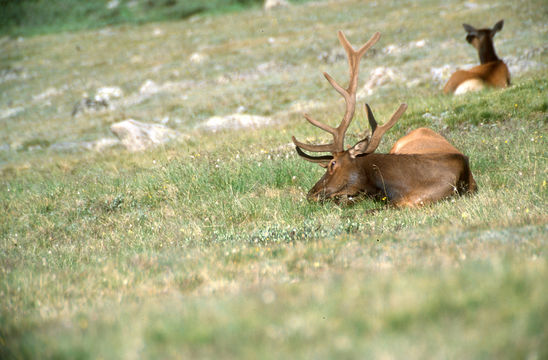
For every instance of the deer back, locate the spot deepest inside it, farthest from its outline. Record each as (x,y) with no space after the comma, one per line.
(423,141)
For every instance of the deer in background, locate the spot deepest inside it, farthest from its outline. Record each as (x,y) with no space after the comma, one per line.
(422,169)
(492,72)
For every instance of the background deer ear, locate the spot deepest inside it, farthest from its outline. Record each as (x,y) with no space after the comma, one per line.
(470,29)
(497,27)
(359,148)
(471,32)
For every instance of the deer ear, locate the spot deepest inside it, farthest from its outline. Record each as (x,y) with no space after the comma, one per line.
(470,29)
(359,148)
(471,32)
(497,27)
(371,118)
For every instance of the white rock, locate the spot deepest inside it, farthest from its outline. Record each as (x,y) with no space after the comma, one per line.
(9,112)
(138,136)
(13,73)
(395,49)
(270,4)
(266,66)
(413,83)
(106,93)
(390,49)
(377,77)
(235,121)
(198,58)
(113,4)
(304,106)
(46,94)
(149,87)
(441,74)
(519,65)
(101,144)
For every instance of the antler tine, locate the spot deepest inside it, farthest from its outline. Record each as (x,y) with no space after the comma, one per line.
(372,41)
(315,148)
(354,56)
(322,126)
(322,160)
(349,95)
(379,131)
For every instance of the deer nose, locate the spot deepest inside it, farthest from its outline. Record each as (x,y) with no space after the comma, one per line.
(311,196)
(317,195)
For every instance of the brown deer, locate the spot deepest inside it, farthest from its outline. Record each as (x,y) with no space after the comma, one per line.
(492,72)
(404,177)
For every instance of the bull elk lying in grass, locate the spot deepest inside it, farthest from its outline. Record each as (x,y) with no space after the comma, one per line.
(492,72)
(422,167)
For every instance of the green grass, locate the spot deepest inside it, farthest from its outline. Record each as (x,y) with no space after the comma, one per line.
(207,248)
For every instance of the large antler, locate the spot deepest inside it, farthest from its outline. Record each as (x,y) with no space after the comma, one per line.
(349,95)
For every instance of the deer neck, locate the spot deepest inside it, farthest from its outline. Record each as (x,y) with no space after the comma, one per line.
(486,51)
(373,171)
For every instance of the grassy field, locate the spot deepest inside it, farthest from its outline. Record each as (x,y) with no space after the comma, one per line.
(207,248)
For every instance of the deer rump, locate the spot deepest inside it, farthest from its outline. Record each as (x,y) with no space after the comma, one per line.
(493,74)
(422,167)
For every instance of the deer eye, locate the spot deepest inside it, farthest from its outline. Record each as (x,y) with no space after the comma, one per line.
(332,165)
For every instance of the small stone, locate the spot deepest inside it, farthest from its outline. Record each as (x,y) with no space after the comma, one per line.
(198,58)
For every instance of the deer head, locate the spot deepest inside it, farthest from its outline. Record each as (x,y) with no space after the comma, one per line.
(482,40)
(343,177)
